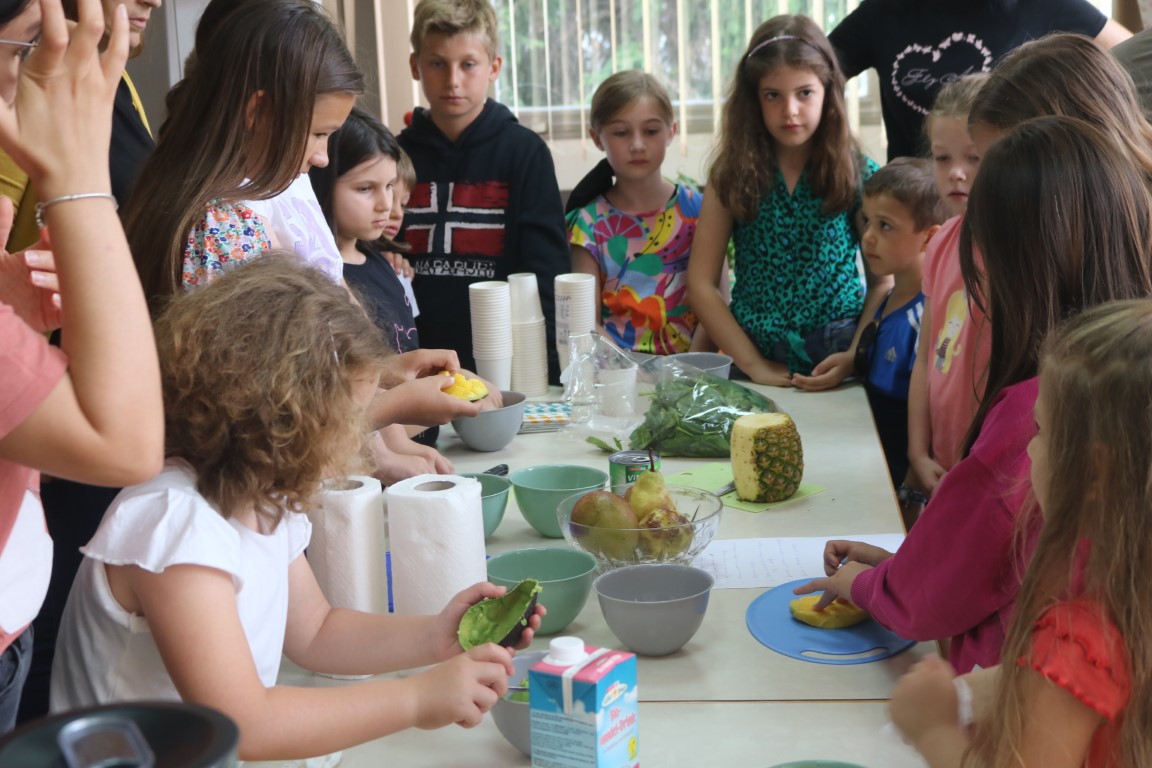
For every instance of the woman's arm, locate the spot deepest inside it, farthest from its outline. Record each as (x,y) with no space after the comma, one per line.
(103,422)
(709,246)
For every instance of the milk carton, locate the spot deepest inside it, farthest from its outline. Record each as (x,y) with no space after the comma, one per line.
(584,710)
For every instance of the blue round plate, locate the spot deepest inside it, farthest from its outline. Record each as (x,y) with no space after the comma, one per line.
(770,622)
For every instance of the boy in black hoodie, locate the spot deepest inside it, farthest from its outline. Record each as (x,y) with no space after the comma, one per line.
(486,202)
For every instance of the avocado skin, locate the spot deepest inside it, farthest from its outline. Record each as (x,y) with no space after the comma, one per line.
(499,620)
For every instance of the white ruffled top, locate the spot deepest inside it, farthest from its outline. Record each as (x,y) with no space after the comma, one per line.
(106,654)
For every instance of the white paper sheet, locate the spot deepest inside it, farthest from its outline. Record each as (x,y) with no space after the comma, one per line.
(760,563)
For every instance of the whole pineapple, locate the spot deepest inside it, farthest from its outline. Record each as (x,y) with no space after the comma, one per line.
(767,458)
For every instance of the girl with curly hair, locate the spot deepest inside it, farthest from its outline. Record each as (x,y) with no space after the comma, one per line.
(195,581)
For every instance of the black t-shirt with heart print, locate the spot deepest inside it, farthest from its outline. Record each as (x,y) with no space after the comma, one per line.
(917,47)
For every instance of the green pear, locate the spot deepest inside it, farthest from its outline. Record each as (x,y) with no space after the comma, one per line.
(664,534)
(649,492)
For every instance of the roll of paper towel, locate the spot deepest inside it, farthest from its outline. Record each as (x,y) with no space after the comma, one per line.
(348,544)
(436,532)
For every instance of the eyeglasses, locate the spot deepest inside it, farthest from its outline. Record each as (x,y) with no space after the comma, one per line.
(864,349)
(25,46)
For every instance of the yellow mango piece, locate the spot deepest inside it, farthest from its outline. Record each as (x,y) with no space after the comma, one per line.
(465,388)
(837,615)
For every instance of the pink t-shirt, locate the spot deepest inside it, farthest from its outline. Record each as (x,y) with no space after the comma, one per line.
(29,370)
(961,343)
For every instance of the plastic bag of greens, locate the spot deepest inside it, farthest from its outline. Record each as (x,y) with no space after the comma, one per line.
(677,409)
(690,413)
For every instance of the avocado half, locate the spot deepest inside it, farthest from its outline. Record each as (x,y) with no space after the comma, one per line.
(499,620)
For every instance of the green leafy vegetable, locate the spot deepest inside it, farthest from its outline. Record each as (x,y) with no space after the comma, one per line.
(694,417)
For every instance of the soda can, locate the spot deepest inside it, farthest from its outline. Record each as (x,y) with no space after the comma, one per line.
(626,466)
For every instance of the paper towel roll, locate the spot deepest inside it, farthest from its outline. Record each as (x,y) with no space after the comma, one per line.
(348,544)
(436,532)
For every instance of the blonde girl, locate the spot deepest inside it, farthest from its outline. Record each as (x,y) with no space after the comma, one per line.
(196,582)
(953,347)
(1076,686)
(785,187)
(635,234)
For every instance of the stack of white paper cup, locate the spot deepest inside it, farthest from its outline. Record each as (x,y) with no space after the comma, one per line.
(529,343)
(491,308)
(576,308)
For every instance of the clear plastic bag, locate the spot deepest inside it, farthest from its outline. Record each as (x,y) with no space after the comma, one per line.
(627,400)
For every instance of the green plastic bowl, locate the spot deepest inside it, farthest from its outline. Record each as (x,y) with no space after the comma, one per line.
(539,491)
(565,577)
(493,498)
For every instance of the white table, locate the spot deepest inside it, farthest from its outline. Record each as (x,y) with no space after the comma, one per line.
(724,699)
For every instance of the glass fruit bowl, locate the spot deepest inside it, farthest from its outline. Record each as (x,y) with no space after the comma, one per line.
(663,539)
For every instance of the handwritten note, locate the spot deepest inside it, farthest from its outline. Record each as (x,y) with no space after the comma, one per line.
(760,563)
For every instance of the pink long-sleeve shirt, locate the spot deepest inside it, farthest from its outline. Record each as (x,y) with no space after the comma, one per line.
(958,572)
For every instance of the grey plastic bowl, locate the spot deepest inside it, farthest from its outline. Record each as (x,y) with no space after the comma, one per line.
(714,363)
(514,718)
(492,430)
(654,609)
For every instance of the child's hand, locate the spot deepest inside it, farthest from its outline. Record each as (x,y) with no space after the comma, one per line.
(839,551)
(417,364)
(828,374)
(837,585)
(925,700)
(926,474)
(425,402)
(399,264)
(770,374)
(398,442)
(463,688)
(28,282)
(444,642)
(392,467)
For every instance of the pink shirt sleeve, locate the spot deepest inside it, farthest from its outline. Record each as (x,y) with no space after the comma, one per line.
(29,369)
(955,575)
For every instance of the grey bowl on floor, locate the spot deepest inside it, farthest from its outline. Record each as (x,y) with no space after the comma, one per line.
(654,609)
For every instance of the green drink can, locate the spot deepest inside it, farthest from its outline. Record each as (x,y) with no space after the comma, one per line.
(626,466)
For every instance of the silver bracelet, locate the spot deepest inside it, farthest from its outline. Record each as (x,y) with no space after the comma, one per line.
(67,199)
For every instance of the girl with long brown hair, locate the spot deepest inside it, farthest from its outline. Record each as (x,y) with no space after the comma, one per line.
(268,82)
(1064,222)
(1077,686)
(785,187)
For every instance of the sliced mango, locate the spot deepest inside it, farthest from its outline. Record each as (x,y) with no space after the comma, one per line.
(838,614)
(465,388)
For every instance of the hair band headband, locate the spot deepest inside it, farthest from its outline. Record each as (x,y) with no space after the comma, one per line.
(781,39)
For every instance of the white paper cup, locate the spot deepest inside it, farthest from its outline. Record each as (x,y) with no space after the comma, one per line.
(497,370)
(525,297)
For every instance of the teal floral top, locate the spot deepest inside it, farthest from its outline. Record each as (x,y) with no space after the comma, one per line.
(642,258)
(796,269)
(229,233)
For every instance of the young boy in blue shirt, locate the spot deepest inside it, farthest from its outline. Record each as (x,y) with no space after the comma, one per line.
(486,202)
(902,210)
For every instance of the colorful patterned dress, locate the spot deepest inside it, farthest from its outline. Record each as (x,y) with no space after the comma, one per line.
(643,258)
(228,234)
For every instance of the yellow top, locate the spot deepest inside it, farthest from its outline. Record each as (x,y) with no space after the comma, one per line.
(14,185)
